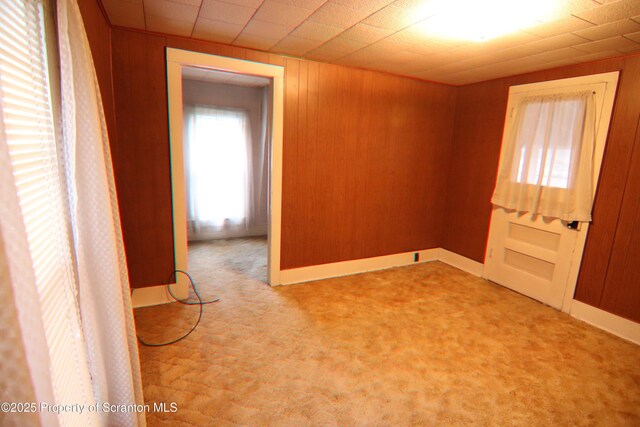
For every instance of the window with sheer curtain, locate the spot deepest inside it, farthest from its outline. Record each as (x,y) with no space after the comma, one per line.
(68,316)
(218,169)
(26,121)
(546,166)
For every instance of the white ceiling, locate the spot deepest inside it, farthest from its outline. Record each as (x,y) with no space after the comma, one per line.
(223,77)
(389,35)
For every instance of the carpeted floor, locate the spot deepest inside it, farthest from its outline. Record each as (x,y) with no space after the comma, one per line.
(419,345)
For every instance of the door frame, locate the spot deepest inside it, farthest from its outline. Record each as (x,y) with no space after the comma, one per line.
(610,80)
(178,58)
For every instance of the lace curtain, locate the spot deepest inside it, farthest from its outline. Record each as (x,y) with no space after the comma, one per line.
(546,165)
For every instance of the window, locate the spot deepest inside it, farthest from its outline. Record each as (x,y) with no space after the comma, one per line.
(26,123)
(552,145)
(217,165)
(548,136)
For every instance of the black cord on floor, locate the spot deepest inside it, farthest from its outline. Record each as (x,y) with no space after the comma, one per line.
(199,303)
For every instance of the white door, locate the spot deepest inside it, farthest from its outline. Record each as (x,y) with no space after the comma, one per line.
(533,255)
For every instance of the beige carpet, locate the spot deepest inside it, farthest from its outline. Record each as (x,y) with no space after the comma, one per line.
(419,345)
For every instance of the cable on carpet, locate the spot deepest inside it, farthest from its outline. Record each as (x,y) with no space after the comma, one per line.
(185,301)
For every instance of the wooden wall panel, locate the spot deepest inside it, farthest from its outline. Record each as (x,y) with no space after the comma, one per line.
(621,290)
(141,156)
(613,177)
(480,113)
(364,157)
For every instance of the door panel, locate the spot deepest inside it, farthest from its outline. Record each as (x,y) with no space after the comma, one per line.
(535,256)
(532,256)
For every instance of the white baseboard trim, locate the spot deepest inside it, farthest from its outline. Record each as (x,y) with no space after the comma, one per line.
(461,262)
(155,295)
(604,320)
(345,268)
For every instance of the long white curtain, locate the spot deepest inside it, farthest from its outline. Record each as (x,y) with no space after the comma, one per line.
(546,165)
(223,187)
(103,286)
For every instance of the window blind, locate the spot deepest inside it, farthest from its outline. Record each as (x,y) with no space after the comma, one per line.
(27,123)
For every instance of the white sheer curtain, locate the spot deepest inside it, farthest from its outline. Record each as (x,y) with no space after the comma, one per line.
(546,165)
(103,284)
(223,192)
(63,278)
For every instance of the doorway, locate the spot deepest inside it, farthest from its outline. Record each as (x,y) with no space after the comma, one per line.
(230,189)
(537,255)
(226,146)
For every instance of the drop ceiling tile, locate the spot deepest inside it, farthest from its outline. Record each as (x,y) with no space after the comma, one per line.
(631,48)
(613,43)
(367,6)
(171,10)
(605,31)
(296,46)
(125,13)
(392,18)
(559,26)
(217,31)
(222,11)
(421,9)
(362,56)
(266,29)
(307,4)
(598,55)
(341,46)
(392,68)
(428,48)
(254,4)
(161,24)
(442,59)
(315,31)
(577,6)
(352,62)
(365,33)
(412,35)
(516,52)
(337,15)
(390,46)
(557,42)
(611,12)
(280,13)
(633,36)
(554,55)
(508,40)
(189,2)
(255,42)
(478,61)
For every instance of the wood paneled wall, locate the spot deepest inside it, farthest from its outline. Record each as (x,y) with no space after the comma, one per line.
(609,275)
(364,158)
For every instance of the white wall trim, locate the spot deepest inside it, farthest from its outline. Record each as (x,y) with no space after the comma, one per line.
(357,266)
(604,320)
(155,295)
(461,262)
